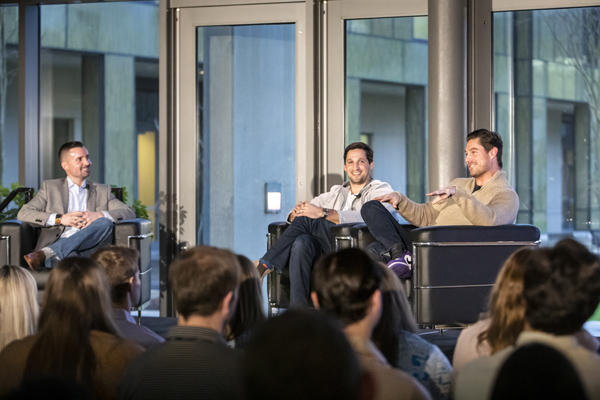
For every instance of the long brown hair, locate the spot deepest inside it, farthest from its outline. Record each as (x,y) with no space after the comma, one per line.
(396,316)
(249,311)
(76,301)
(506,308)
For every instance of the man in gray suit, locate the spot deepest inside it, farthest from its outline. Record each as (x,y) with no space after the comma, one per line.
(76,215)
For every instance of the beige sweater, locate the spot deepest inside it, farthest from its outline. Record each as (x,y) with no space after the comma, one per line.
(496,203)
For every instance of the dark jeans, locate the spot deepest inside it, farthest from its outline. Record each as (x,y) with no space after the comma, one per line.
(302,243)
(392,238)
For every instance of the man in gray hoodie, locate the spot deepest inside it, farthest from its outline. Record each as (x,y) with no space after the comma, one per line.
(307,237)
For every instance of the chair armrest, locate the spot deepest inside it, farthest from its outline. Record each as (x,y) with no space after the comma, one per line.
(340,236)
(137,234)
(17,238)
(275,231)
(470,233)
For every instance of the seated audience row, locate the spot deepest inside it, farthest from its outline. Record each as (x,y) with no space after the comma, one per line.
(360,344)
(505,318)
(76,340)
(560,292)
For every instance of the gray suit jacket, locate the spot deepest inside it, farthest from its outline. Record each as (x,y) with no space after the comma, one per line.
(53,197)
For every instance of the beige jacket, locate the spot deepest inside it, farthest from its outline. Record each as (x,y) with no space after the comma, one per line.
(496,203)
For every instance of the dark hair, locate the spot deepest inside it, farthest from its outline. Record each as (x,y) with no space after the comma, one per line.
(345,282)
(249,311)
(396,316)
(561,287)
(120,264)
(536,371)
(201,278)
(360,146)
(76,301)
(488,140)
(68,146)
(301,354)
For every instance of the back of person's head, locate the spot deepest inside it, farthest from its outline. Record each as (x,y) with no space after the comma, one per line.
(396,316)
(488,140)
(249,311)
(344,283)
(301,354)
(506,308)
(537,372)
(76,301)
(561,287)
(18,304)
(120,265)
(359,146)
(201,278)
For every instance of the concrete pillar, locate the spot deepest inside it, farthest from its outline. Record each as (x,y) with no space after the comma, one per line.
(447,90)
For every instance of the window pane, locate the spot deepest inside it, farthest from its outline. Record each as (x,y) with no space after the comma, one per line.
(9,118)
(247,132)
(386,85)
(99,85)
(546,88)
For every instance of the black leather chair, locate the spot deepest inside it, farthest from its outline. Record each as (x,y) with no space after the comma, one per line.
(18,238)
(454,267)
(278,285)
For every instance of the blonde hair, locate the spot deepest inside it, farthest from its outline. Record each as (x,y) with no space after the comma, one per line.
(506,308)
(19,309)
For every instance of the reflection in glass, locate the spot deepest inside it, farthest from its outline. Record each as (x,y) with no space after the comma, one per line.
(99,85)
(246,131)
(546,86)
(9,124)
(386,82)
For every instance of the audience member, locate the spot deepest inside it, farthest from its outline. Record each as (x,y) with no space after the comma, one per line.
(18,304)
(347,285)
(395,336)
(121,267)
(505,317)
(249,312)
(307,356)
(537,372)
(77,340)
(561,288)
(194,362)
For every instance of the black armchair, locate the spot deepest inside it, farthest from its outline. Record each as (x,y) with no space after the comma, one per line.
(454,267)
(278,285)
(18,238)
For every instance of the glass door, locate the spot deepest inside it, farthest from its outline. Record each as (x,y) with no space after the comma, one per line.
(241,108)
(380,70)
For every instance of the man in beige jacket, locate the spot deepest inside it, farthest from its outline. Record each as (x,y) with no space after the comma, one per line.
(484,199)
